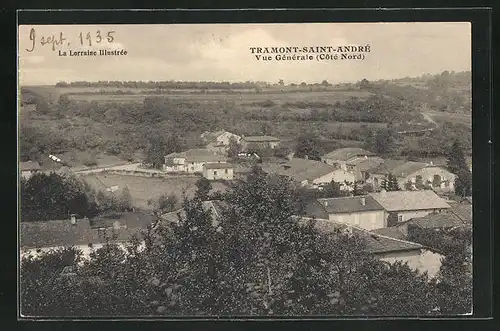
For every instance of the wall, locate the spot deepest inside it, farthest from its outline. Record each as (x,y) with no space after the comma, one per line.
(258,145)
(340,164)
(423,260)
(189,167)
(221,174)
(415,213)
(369,220)
(376,181)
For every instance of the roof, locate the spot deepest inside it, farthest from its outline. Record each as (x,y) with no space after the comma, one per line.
(198,155)
(350,204)
(223,165)
(29,165)
(400,168)
(62,233)
(392,232)
(436,221)
(212,136)
(409,200)
(364,164)
(300,169)
(344,154)
(259,138)
(375,243)
(462,211)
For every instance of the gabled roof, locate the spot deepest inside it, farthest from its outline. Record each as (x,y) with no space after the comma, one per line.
(300,169)
(62,233)
(344,154)
(393,232)
(198,155)
(212,136)
(259,138)
(364,164)
(29,165)
(409,200)
(375,243)
(436,221)
(350,204)
(223,165)
(399,168)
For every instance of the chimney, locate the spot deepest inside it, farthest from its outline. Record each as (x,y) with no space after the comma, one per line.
(363,201)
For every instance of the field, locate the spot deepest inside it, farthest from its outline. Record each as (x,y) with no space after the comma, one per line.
(323,96)
(451,118)
(144,188)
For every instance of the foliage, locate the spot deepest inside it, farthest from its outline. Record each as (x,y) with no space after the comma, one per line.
(234,148)
(164,203)
(203,188)
(159,147)
(255,258)
(48,197)
(307,146)
(390,183)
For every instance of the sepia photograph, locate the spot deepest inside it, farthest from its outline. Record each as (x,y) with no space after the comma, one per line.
(245,170)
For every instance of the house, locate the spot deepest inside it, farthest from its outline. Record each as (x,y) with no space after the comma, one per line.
(359,166)
(403,205)
(362,211)
(412,175)
(29,168)
(192,160)
(215,171)
(340,157)
(259,142)
(389,249)
(219,140)
(84,234)
(311,173)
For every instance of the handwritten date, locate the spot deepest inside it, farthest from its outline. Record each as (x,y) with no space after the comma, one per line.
(55,41)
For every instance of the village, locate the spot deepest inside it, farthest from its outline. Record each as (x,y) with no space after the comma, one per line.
(382,200)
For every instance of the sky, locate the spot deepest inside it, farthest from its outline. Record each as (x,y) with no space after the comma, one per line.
(221,52)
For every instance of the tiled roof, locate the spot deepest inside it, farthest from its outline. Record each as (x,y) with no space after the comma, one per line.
(198,155)
(259,138)
(435,221)
(392,232)
(223,165)
(462,211)
(364,164)
(63,233)
(29,165)
(300,169)
(350,204)
(399,168)
(410,200)
(375,243)
(344,154)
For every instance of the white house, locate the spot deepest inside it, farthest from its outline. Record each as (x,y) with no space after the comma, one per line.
(191,161)
(219,140)
(311,173)
(412,175)
(215,171)
(362,211)
(404,205)
(389,249)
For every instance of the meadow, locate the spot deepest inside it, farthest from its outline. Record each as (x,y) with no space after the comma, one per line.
(143,189)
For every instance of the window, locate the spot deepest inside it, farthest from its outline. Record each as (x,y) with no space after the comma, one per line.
(226,171)
(192,163)
(400,218)
(215,172)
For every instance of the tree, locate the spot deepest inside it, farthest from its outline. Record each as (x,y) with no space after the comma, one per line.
(456,158)
(203,188)
(125,200)
(325,83)
(392,183)
(158,148)
(463,183)
(234,148)
(307,145)
(382,142)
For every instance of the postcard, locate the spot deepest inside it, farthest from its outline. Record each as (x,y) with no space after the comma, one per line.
(245,170)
